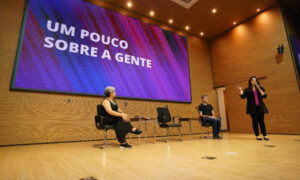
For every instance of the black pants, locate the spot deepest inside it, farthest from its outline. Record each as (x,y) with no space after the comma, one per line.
(258,118)
(216,124)
(122,128)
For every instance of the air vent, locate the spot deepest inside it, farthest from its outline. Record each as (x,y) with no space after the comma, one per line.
(185,3)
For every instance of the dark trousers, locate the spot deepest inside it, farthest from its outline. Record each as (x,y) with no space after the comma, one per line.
(258,118)
(122,128)
(216,124)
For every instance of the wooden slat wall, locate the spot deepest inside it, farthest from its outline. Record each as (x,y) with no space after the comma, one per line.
(33,117)
(250,49)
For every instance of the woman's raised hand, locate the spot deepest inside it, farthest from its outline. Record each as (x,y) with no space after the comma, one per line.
(240,89)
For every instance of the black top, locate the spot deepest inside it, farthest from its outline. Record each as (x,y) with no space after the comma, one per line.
(206,109)
(113,105)
(251,106)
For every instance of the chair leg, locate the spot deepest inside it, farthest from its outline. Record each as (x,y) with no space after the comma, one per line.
(190,123)
(105,136)
(105,139)
(179,134)
(139,134)
(201,129)
(167,134)
(208,137)
(145,130)
(154,131)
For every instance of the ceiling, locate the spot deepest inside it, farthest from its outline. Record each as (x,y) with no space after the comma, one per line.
(198,17)
(294,5)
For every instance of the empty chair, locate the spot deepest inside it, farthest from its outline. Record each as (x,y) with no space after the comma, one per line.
(164,119)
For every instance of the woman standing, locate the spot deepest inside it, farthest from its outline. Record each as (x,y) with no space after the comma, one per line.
(256,106)
(113,115)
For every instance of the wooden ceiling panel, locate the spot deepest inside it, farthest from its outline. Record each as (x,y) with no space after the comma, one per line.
(199,17)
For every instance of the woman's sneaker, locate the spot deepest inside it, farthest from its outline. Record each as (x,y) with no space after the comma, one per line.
(137,132)
(125,146)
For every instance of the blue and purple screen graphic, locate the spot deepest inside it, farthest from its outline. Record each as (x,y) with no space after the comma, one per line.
(296,50)
(72,46)
(297,43)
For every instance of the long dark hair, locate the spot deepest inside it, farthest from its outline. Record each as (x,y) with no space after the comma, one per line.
(249,82)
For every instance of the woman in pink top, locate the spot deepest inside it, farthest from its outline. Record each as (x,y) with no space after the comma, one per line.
(256,106)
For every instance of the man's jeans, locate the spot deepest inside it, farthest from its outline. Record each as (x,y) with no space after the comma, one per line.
(216,123)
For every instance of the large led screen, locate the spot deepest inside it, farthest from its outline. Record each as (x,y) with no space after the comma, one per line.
(73,46)
(296,51)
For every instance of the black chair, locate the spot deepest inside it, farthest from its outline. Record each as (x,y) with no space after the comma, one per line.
(164,118)
(206,124)
(99,123)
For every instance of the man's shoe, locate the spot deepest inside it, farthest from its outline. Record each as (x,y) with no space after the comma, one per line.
(217,137)
(125,146)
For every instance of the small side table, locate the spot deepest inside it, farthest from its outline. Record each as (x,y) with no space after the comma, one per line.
(190,122)
(145,119)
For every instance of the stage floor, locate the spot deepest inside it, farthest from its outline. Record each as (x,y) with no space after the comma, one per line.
(238,156)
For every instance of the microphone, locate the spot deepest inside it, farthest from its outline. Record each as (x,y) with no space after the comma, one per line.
(256,84)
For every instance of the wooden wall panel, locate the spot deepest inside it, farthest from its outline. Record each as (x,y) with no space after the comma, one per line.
(250,49)
(33,117)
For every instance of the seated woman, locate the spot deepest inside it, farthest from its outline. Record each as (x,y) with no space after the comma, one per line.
(113,115)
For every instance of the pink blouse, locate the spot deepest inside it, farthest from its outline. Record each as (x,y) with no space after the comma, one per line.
(255,97)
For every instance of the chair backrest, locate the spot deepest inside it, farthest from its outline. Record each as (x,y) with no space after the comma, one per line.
(163,115)
(100,110)
(201,118)
(99,117)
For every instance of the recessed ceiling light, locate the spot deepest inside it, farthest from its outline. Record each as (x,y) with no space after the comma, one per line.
(187,27)
(234,22)
(201,33)
(214,10)
(129,4)
(257,10)
(151,13)
(170,21)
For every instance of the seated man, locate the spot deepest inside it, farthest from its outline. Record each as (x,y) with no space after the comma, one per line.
(206,113)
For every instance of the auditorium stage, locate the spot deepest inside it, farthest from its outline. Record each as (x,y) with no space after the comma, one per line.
(238,156)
